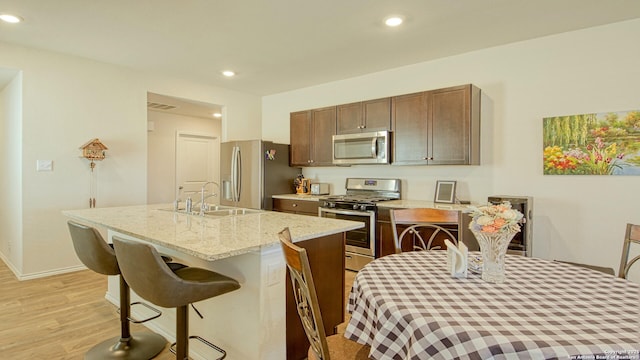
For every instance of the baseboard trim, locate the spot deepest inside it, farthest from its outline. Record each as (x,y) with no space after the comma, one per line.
(48,273)
(10,265)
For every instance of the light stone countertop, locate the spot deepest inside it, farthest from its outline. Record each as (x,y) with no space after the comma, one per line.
(209,238)
(408,204)
(392,204)
(305,197)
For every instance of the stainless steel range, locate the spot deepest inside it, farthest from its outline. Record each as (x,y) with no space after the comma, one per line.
(360,204)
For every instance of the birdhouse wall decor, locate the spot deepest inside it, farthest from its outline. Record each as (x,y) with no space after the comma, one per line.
(94,150)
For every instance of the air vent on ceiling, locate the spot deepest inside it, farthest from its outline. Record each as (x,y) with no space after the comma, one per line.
(159,106)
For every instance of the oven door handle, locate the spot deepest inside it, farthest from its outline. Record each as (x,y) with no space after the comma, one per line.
(345,212)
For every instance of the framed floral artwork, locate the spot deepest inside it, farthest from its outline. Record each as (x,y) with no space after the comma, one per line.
(592,144)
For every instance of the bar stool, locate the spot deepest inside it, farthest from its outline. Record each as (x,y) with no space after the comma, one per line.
(98,256)
(143,268)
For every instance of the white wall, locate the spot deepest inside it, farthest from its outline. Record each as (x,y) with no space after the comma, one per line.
(161,186)
(69,100)
(580,218)
(11,186)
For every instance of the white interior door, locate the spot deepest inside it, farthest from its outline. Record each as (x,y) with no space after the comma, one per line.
(197,161)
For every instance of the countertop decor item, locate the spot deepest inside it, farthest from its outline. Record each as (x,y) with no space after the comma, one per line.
(445,192)
(302,185)
(494,226)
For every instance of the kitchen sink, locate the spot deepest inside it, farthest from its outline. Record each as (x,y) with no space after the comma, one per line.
(218,211)
(232,211)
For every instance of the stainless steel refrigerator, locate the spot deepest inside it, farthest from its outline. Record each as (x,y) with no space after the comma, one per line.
(252,171)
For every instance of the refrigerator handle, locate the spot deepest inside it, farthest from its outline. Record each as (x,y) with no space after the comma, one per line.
(234,173)
(238,175)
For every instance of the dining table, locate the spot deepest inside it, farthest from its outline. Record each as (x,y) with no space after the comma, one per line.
(408,306)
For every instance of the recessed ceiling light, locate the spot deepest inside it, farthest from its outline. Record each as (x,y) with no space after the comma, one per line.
(228,73)
(393,20)
(217,115)
(13,19)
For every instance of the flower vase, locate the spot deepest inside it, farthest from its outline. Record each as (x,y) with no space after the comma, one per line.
(494,248)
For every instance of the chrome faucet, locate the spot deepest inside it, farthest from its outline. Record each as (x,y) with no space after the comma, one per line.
(203,206)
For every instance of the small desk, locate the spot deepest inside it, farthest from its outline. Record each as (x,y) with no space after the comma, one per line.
(407,306)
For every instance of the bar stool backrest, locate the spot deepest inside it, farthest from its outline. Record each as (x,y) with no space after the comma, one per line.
(305,295)
(147,274)
(632,236)
(151,278)
(92,250)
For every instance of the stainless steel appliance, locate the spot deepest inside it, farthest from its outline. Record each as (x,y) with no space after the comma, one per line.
(522,241)
(359,204)
(361,148)
(252,171)
(319,189)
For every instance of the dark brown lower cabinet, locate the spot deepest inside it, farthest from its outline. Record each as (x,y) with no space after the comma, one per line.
(326,258)
(301,207)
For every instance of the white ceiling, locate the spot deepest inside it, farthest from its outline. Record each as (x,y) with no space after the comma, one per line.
(280,45)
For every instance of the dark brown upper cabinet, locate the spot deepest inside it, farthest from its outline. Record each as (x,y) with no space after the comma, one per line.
(310,136)
(364,116)
(438,127)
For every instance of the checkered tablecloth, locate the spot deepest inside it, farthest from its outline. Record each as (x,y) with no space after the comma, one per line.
(407,306)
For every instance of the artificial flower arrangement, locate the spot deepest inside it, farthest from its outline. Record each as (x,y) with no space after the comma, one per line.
(495,218)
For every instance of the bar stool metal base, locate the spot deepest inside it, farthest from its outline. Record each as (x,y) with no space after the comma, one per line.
(141,346)
(172,348)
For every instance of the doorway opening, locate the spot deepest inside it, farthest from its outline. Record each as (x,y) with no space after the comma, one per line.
(183,144)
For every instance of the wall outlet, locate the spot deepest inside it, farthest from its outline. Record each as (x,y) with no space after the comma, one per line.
(275,274)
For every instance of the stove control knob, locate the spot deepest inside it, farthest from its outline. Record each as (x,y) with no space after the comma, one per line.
(355,206)
(363,207)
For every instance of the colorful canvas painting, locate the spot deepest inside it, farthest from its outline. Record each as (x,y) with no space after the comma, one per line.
(592,144)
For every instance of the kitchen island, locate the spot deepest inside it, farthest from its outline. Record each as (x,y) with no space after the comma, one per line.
(248,323)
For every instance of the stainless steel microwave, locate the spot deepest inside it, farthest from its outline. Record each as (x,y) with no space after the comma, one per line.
(361,148)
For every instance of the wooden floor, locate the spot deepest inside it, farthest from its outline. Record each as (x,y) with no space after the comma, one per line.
(57,317)
(63,316)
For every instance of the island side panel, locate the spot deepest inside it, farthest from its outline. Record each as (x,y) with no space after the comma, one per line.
(326,258)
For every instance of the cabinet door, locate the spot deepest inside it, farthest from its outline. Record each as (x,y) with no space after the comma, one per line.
(349,118)
(409,119)
(322,131)
(372,115)
(450,126)
(299,138)
(377,115)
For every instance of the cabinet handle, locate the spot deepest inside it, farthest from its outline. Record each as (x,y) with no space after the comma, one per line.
(427,158)
(294,205)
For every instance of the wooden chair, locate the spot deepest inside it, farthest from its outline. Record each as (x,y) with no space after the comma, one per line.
(632,236)
(334,347)
(424,223)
